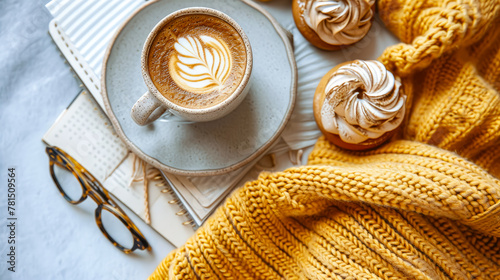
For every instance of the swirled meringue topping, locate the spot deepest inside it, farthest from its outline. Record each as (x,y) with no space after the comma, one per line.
(339,22)
(362,101)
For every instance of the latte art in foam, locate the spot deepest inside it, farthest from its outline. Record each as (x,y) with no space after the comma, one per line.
(200,63)
(197,61)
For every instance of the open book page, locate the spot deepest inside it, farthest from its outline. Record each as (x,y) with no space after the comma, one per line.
(165,218)
(278,158)
(85,133)
(205,193)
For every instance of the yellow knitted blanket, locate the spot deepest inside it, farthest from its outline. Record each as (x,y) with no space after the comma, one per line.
(426,206)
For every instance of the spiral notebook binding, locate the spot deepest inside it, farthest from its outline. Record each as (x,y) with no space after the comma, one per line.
(167,189)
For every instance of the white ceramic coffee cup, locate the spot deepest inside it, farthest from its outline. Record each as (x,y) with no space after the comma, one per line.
(153,104)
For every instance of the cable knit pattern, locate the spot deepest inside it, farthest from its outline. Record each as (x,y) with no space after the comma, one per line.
(390,213)
(422,207)
(434,30)
(456,104)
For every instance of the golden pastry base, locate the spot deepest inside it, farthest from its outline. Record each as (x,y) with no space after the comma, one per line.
(319,98)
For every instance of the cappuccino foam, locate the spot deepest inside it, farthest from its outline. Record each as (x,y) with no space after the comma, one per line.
(197,61)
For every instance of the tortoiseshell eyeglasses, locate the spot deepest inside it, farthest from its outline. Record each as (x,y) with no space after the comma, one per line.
(76,184)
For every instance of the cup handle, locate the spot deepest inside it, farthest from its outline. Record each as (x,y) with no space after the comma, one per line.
(147,109)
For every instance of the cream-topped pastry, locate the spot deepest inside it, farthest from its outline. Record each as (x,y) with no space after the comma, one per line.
(360,102)
(339,22)
(329,24)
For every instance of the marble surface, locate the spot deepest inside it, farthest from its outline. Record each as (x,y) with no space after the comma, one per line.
(54,240)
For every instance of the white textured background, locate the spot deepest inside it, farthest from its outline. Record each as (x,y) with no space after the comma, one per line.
(54,240)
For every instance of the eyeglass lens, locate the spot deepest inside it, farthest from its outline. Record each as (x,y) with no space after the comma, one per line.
(116,229)
(68,182)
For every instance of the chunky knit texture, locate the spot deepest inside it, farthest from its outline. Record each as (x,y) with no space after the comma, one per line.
(425,206)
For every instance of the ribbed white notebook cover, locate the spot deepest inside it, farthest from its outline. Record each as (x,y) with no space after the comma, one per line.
(91,24)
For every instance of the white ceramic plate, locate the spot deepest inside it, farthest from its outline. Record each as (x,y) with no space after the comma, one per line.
(213,147)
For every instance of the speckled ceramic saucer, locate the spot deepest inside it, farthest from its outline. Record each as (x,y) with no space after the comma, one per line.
(218,146)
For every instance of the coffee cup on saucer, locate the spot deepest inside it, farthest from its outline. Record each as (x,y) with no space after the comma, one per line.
(196,63)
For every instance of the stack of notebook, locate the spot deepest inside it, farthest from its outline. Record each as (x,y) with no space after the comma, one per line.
(82,30)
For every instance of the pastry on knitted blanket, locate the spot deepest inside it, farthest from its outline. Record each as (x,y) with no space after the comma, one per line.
(358,105)
(422,207)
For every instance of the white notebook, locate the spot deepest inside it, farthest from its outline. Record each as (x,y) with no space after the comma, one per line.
(85,133)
